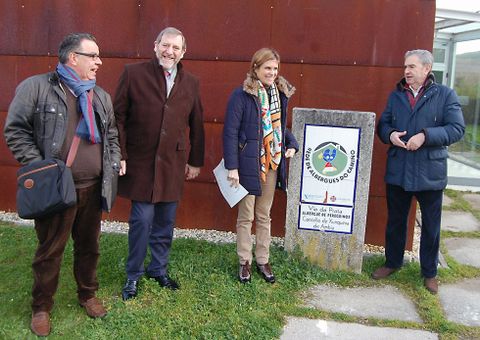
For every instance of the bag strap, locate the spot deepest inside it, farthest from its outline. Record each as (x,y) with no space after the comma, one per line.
(72,153)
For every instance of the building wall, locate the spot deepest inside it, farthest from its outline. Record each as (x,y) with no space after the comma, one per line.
(344,55)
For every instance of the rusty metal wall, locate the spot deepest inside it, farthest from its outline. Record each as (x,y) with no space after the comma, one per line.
(339,54)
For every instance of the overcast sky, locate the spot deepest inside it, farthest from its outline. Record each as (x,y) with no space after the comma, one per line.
(460,5)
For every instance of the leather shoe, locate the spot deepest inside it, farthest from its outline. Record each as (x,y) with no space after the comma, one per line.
(244,273)
(94,308)
(166,282)
(266,272)
(40,324)
(431,284)
(383,272)
(129,290)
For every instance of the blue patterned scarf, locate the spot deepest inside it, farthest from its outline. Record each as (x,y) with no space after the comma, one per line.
(87,128)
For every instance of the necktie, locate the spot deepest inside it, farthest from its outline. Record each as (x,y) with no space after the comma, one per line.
(169,81)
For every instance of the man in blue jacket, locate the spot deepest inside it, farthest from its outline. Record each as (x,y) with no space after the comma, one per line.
(421,119)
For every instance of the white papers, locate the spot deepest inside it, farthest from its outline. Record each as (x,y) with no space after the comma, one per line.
(231,194)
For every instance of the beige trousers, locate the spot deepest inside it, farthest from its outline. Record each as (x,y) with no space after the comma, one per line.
(257,207)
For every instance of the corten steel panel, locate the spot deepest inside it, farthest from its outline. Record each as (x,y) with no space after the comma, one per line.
(120,210)
(14,69)
(10,18)
(114,24)
(215,30)
(217,81)
(351,32)
(110,71)
(24,27)
(347,88)
(375,34)
(6,157)
(8,70)
(377,219)
(379,160)
(213,151)
(8,185)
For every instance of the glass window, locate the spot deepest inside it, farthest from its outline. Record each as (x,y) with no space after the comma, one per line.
(467,86)
(438,76)
(439,55)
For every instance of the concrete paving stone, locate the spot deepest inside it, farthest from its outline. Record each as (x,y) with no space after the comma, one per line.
(301,328)
(461,301)
(385,302)
(464,250)
(447,201)
(473,199)
(459,221)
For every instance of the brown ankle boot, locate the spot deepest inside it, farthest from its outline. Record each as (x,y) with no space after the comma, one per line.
(266,272)
(244,273)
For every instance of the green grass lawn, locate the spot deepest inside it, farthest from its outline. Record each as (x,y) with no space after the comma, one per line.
(211,303)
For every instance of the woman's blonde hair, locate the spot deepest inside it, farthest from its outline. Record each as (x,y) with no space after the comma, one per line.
(262,56)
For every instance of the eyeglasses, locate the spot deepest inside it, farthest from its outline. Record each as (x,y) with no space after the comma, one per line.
(94,56)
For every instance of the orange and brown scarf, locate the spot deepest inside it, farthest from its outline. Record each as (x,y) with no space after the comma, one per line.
(271,151)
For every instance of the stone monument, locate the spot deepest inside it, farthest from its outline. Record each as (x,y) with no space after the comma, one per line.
(328,186)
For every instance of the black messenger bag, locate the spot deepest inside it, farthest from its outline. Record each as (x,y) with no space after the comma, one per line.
(46,187)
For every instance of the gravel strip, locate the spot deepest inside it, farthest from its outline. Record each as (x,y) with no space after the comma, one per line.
(214,236)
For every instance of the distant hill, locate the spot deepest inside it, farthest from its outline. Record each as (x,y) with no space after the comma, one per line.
(467,80)
(468,63)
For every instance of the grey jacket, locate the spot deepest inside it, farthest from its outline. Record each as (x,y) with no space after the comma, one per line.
(35,127)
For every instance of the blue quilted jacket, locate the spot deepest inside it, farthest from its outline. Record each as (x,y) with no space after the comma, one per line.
(438,114)
(242,134)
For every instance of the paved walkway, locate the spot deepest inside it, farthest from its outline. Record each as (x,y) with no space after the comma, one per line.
(460,300)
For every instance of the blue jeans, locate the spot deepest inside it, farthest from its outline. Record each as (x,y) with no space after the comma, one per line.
(398,203)
(150,224)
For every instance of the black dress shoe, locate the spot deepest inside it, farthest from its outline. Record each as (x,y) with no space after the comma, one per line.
(129,290)
(166,281)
